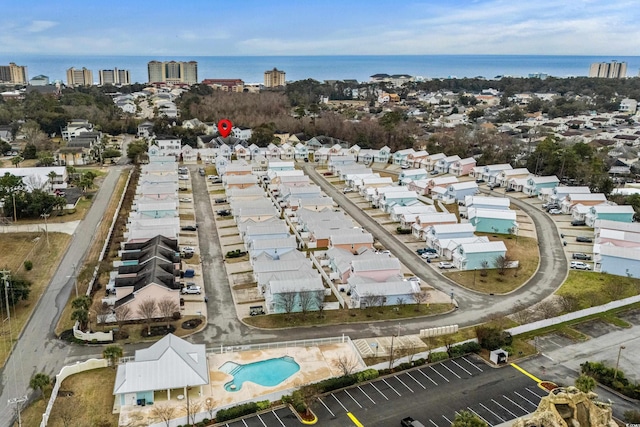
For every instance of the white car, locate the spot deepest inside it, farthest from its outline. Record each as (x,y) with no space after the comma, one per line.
(555,211)
(188,250)
(185,199)
(445,265)
(346,190)
(385,252)
(579,265)
(413,279)
(191,289)
(183,177)
(429,255)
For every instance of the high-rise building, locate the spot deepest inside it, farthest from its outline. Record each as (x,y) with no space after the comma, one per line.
(274,78)
(114,77)
(13,74)
(173,72)
(608,70)
(40,80)
(82,77)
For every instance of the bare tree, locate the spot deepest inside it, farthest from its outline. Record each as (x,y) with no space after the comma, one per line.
(164,412)
(547,309)
(309,394)
(192,410)
(123,314)
(521,313)
(346,363)
(147,310)
(67,410)
(420,297)
(286,301)
(431,343)
(615,289)
(167,307)
(401,302)
(319,300)
(210,406)
(103,311)
(307,302)
(502,262)
(409,351)
(568,303)
(484,265)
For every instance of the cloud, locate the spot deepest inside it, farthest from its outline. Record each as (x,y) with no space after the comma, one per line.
(39,26)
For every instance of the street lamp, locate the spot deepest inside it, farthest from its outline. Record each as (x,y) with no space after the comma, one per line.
(75,279)
(615,373)
(46,229)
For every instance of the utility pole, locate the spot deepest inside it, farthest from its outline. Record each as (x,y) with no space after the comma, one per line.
(18,401)
(46,229)
(615,372)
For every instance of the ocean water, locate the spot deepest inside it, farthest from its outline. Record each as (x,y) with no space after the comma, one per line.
(251,68)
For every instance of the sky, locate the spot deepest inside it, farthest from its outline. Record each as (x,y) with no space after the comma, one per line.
(320,27)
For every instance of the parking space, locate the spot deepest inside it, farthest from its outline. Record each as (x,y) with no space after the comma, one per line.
(596,328)
(631,316)
(550,342)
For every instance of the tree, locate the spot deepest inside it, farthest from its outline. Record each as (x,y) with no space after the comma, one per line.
(319,300)
(286,302)
(80,312)
(309,395)
(192,408)
(546,308)
(147,310)
(420,297)
(263,134)
(164,412)
(568,303)
(167,307)
(502,262)
(467,419)
(210,406)
(10,187)
(40,382)
(122,313)
(18,290)
(16,161)
(112,353)
(307,301)
(136,149)
(346,363)
(103,312)
(521,313)
(484,265)
(585,383)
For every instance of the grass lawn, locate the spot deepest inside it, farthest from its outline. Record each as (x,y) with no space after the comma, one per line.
(591,289)
(333,317)
(187,217)
(522,249)
(15,248)
(91,402)
(86,271)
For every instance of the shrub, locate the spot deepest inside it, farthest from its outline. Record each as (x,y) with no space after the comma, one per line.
(263,404)
(236,411)
(632,417)
(419,362)
(438,356)
(331,384)
(492,338)
(176,315)
(403,366)
(367,375)
(28,265)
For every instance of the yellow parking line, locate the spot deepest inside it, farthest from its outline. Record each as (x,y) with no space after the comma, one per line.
(354,420)
(533,377)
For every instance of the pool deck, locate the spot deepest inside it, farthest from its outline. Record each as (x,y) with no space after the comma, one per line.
(316,364)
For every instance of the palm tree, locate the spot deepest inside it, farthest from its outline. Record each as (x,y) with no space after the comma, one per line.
(585,383)
(112,353)
(52,177)
(82,316)
(39,382)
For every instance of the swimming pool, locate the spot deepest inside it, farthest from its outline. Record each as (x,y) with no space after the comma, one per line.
(267,373)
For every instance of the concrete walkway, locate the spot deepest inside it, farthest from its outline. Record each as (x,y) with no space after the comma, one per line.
(56,227)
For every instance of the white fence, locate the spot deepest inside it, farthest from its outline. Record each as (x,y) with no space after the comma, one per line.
(441,330)
(92,336)
(540,324)
(65,372)
(282,344)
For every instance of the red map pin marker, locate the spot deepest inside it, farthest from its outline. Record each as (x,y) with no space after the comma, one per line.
(224,127)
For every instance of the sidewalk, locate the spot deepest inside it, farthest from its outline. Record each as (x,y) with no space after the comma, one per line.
(58,227)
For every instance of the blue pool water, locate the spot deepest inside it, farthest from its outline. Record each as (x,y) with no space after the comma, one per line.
(267,373)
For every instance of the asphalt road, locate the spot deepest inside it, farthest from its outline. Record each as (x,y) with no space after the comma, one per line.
(37,349)
(474,307)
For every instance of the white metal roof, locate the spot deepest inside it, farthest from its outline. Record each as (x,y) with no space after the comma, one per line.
(382,262)
(492,213)
(620,252)
(483,247)
(398,287)
(470,200)
(586,197)
(296,285)
(600,209)
(602,224)
(170,363)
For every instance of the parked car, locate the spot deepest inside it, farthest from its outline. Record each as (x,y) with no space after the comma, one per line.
(549,206)
(189,228)
(494,185)
(435,173)
(405,166)
(201,172)
(183,177)
(183,189)
(479,181)
(188,249)
(510,190)
(584,239)
(346,190)
(579,265)
(222,200)
(425,250)
(555,212)
(445,265)
(212,177)
(186,199)
(384,252)
(224,212)
(578,222)
(429,255)
(582,256)
(192,289)
(410,422)
(413,279)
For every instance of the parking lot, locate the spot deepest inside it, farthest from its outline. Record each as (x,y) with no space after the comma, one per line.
(496,395)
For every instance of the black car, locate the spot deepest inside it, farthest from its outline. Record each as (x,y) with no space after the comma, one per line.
(189,228)
(220,200)
(224,212)
(426,251)
(509,190)
(577,222)
(479,181)
(183,189)
(584,239)
(580,255)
